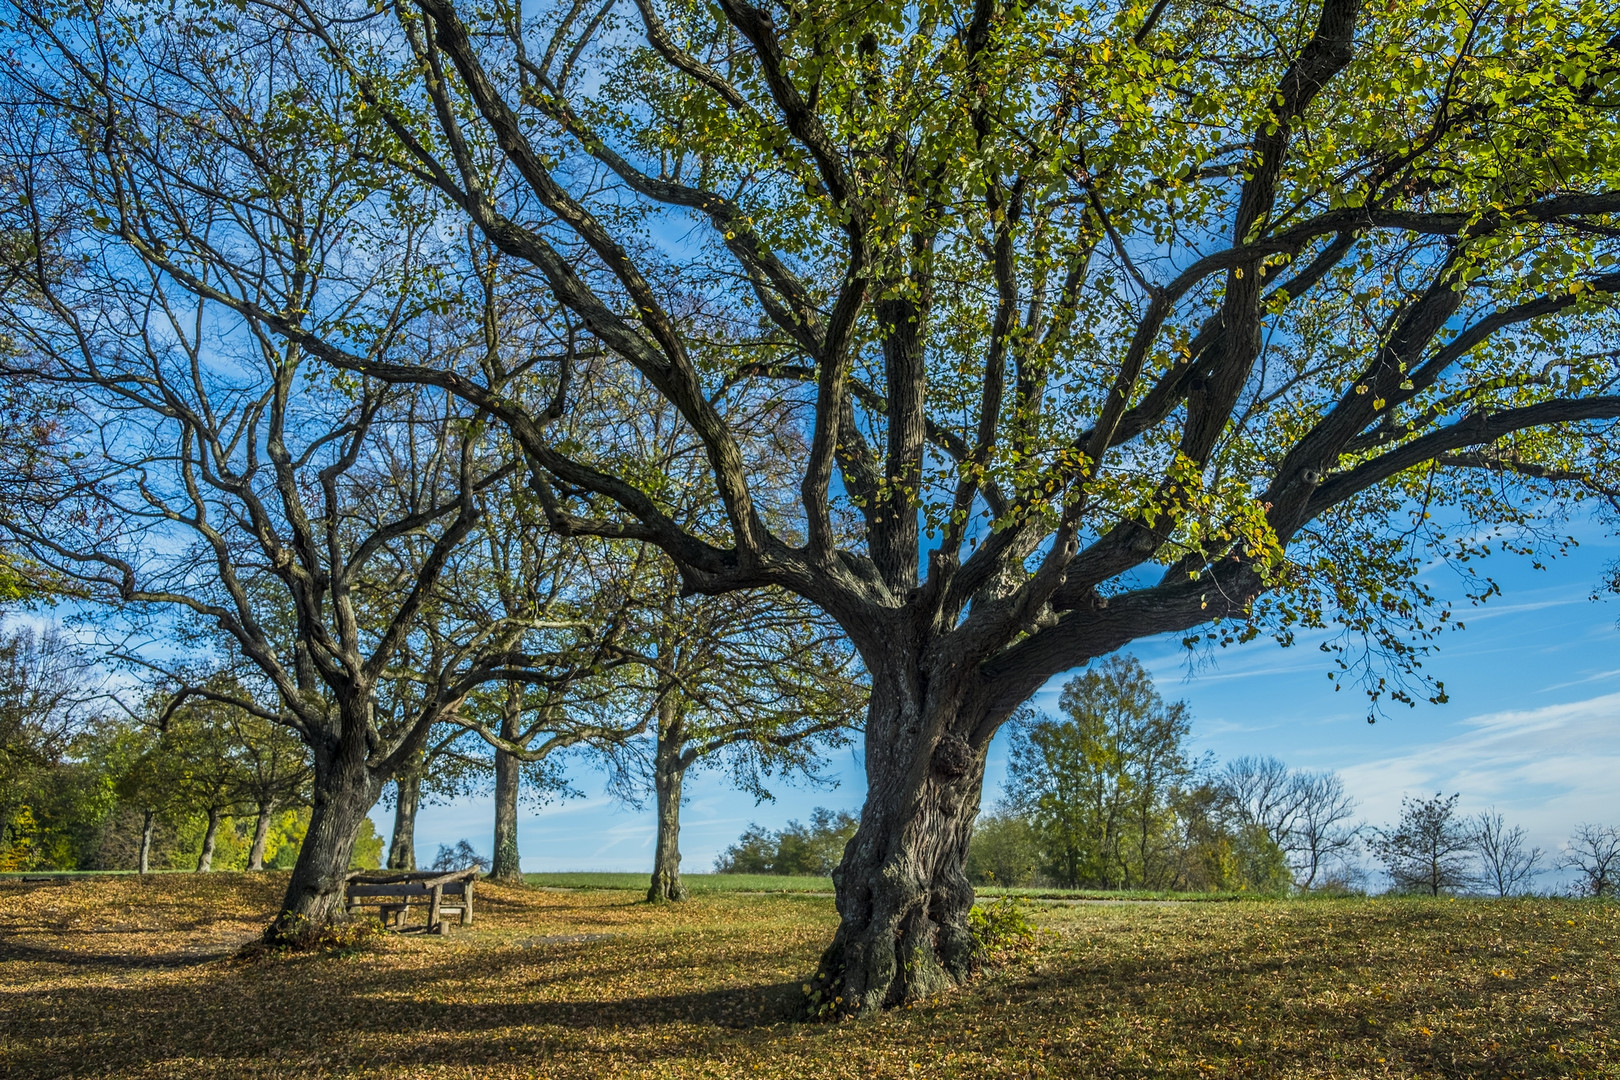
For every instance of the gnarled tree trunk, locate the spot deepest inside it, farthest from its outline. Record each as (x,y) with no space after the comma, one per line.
(902,889)
(205,861)
(669,771)
(345,790)
(504,865)
(402,847)
(261,831)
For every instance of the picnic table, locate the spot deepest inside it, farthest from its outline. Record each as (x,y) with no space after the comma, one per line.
(393,891)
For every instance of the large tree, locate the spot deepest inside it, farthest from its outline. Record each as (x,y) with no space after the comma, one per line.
(1102,322)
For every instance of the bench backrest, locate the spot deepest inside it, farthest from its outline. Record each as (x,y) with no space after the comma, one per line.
(406,888)
(409,883)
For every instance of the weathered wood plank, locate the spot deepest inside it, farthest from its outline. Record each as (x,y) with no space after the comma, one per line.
(406,888)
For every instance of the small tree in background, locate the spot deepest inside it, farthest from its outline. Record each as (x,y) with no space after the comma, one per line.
(458,856)
(142,783)
(274,775)
(1429,850)
(1263,790)
(1594,853)
(448,767)
(1114,799)
(1220,850)
(1506,863)
(1096,782)
(1321,834)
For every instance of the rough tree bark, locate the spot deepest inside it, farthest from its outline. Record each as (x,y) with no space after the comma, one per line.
(902,892)
(505,864)
(345,789)
(669,771)
(402,846)
(261,832)
(205,861)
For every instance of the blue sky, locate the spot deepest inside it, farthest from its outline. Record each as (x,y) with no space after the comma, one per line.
(1532,728)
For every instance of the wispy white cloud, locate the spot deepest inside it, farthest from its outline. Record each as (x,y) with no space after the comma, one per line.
(1548,768)
(1601,676)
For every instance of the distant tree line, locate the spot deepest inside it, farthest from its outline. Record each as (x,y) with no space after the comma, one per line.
(1434,851)
(1107,795)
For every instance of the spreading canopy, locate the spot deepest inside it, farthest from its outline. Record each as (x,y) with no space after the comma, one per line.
(1238,294)
(1101,321)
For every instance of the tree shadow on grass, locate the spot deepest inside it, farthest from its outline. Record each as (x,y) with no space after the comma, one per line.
(12,950)
(238,1019)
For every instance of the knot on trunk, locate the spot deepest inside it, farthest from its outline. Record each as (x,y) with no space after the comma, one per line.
(952,756)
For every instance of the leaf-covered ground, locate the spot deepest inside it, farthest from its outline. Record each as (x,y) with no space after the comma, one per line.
(130,977)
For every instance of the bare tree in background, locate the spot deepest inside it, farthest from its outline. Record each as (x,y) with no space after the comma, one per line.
(1507,861)
(1263,790)
(1320,832)
(1306,813)
(1594,853)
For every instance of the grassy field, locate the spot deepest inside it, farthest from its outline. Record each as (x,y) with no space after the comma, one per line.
(706,883)
(696,883)
(125,977)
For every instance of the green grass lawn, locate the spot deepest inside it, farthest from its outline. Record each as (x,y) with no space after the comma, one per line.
(719,883)
(124,977)
(1041,892)
(697,883)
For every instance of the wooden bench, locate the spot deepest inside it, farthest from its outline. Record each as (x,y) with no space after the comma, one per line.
(393,891)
